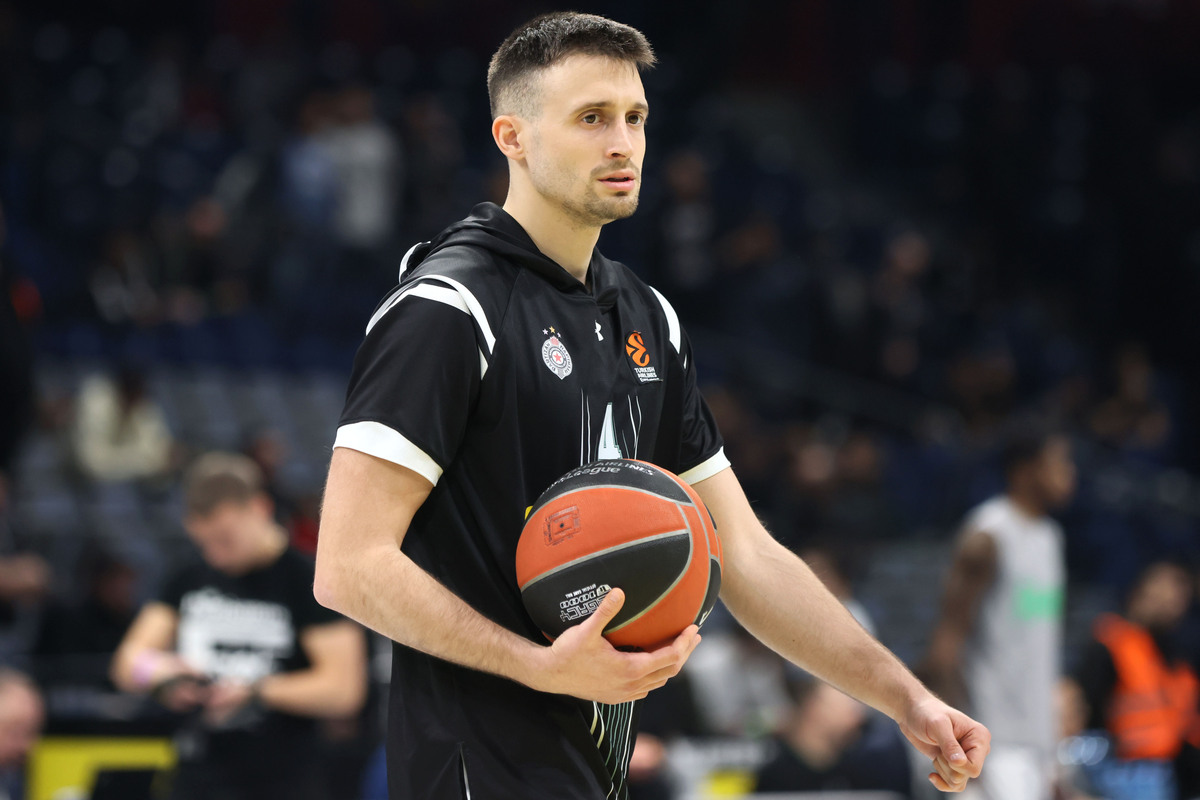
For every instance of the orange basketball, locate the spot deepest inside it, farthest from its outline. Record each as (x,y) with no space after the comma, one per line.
(620,524)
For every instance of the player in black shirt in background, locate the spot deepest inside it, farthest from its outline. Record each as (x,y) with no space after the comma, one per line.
(236,641)
(511,351)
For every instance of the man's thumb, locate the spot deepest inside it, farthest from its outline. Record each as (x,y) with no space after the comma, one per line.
(953,753)
(948,743)
(607,609)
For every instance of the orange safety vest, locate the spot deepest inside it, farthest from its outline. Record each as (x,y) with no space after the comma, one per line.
(1153,709)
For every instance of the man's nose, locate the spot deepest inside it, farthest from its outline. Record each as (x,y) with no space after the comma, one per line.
(621,144)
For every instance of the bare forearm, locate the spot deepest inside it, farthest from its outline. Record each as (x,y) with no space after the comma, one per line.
(772,591)
(309,693)
(385,591)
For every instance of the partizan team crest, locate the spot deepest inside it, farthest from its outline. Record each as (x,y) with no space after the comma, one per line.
(555,354)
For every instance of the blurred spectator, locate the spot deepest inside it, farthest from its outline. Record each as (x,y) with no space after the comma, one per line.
(737,680)
(681,243)
(298,513)
(668,714)
(120,433)
(435,155)
(982,385)
(811,484)
(901,306)
(76,639)
(308,201)
(648,769)
(1134,418)
(268,449)
(369,167)
(831,565)
(123,286)
(21,717)
(861,506)
(239,643)
(24,580)
(16,371)
(1137,686)
(998,644)
(830,742)
(750,442)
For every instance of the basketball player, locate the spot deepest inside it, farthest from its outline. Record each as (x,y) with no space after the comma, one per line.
(996,647)
(511,351)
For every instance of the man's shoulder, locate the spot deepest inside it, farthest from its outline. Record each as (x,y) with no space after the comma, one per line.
(989,514)
(469,264)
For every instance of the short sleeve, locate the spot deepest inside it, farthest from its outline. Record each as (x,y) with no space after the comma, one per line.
(415,379)
(177,583)
(702,450)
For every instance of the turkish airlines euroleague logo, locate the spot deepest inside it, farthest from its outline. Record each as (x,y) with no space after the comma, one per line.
(635,347)
(637,350)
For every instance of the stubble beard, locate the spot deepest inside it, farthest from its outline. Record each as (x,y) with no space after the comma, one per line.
(585,207)
(597,211)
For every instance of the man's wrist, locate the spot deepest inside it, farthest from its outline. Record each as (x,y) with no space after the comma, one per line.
(146,670)
(257,692)
(531,666)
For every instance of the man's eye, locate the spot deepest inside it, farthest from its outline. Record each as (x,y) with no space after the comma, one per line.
(636,119)
(591,119)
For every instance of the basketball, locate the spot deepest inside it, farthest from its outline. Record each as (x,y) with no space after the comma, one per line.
(620,524)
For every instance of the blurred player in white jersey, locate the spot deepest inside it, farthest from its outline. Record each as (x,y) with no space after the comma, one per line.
(997,647)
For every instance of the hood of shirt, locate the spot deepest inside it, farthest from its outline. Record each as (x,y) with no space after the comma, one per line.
(492,228)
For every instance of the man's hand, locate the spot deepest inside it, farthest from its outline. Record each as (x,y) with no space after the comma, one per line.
(182,692)
(955,743)
(225,700)
(582,663)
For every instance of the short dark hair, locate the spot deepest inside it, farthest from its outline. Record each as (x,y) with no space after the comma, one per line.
(219,478)
(1025,442)
(548,39)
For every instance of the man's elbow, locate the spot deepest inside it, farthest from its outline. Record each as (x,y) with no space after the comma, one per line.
(327,586)
(354,697)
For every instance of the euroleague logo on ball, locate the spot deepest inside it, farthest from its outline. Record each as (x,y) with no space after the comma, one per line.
(635,347)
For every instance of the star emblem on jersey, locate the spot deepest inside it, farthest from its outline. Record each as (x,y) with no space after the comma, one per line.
(635,348)
(555,354)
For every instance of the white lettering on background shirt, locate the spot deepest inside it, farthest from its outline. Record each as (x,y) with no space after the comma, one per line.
(231,637)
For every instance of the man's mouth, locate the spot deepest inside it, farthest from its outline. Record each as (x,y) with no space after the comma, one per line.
(620,181)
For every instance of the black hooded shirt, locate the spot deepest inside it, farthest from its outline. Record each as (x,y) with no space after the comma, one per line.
(491,371)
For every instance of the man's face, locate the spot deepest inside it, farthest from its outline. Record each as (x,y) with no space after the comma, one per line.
(228,537)
(587,145)
(1166,593)
(1056,473)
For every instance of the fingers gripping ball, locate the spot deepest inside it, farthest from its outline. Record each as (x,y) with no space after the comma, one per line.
(626,524)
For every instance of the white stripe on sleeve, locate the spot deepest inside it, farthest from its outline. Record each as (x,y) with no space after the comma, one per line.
(437,293)
(377,439)
(706,469)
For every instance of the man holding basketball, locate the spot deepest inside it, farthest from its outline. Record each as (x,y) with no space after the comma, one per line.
(512,351)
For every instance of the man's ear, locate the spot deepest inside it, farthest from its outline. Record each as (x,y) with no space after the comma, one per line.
(507,131)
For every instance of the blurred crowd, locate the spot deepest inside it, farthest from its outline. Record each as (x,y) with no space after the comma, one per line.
(891,231)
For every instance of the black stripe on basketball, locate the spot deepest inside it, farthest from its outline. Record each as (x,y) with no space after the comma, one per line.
(714,590)
(621,472)
(569,594)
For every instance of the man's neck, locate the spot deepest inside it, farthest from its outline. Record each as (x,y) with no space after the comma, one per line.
(560,238)
(1027,503)
(268,547)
